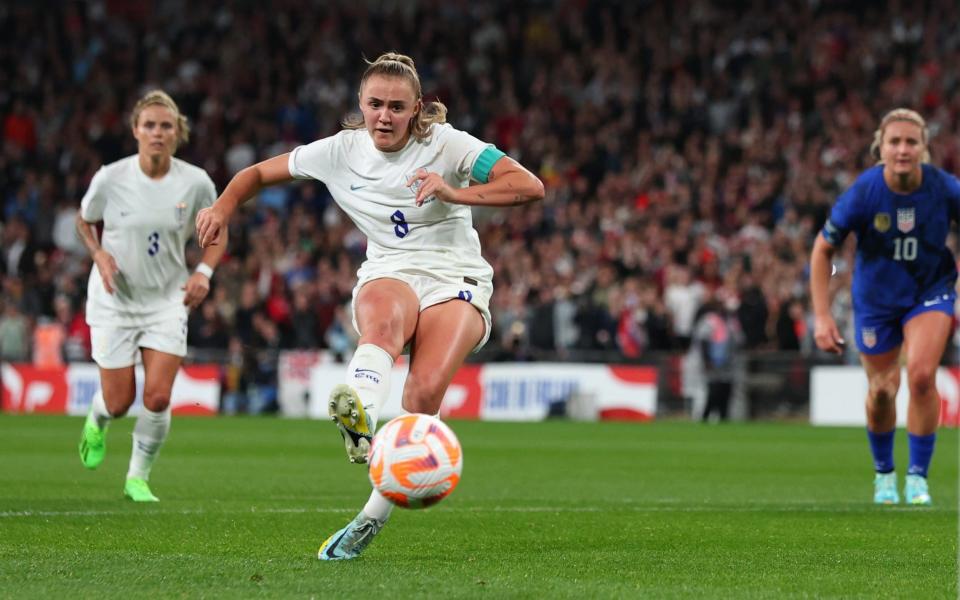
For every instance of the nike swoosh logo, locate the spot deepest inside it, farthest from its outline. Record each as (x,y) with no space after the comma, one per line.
(354,187)
(356,437)
(931,302)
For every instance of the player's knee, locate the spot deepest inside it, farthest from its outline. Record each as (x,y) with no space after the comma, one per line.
(423,393)
(156,401)
(922,380)
(386,333)
(883,389)
(117,408)
(117,411)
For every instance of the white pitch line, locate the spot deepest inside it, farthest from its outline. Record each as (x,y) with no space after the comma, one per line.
(804,508)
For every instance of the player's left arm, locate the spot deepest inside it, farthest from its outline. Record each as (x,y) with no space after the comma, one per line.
(508,183)
(198,284)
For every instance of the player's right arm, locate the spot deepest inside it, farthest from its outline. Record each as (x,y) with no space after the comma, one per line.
(244,185)
(90,213)
(105,262)
(846,215)
(825,331)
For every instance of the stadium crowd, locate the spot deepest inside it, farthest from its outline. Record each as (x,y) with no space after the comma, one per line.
(690,153)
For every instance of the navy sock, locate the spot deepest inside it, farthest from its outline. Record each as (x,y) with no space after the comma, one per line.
(921,451)
(881,444)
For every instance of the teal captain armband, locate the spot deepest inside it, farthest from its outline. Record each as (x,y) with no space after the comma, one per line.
(484,163)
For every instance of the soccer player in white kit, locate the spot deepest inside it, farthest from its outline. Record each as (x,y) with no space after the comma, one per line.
(404,177)
(139,289)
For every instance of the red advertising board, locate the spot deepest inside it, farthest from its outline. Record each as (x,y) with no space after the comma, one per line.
(69,388)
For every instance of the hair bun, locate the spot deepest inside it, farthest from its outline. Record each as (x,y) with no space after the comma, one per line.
(394,56)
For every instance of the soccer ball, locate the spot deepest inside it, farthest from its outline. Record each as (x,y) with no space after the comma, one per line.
(415,461)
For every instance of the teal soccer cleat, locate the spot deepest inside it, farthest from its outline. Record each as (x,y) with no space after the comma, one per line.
(352,420)
(350,541)
(885,489)
(916,491)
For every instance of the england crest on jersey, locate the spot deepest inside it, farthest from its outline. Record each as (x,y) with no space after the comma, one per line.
(905,220)
(869,335)
(181,213)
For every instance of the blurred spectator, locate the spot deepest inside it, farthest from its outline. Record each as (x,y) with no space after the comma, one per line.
(14,333)
(716,339)
(791,325)
(752,313)
(49,337)
(236,379)
(76,343)
(205,327)
(306,330)
(682,298)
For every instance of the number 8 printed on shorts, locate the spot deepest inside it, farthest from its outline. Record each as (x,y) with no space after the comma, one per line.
(154,240)
(400,226)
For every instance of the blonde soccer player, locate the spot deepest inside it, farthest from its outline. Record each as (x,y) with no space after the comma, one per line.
(407,179)
(140,290)
(904,289)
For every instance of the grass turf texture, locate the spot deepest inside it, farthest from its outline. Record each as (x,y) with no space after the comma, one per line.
(556,509)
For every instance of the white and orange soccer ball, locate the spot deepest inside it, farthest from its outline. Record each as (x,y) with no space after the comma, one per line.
(415,461)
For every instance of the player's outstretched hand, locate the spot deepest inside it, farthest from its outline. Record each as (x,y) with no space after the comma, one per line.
(210,222)
(196,290)
(108,268)
(826,335)
(427,184)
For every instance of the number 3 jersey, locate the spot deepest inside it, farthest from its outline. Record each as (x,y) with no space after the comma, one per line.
(146,225)
(902,258)
(436,239)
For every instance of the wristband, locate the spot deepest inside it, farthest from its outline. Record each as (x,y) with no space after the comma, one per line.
(204,269)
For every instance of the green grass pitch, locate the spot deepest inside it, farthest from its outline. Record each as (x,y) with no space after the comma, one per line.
(546,510)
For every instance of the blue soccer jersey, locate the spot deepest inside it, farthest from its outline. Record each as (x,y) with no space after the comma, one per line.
(903,265)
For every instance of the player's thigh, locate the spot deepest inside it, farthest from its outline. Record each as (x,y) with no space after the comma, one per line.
(119,389)
(445,336)
(163,349)
(925,339)
(386,312)
(114,349)
(159,371)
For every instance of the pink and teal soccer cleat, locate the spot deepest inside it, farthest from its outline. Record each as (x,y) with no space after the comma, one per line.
(916,492)
(350,541)
(885,489)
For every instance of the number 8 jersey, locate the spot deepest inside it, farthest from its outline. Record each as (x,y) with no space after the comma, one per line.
(902,258)
(146,225)
(435,239)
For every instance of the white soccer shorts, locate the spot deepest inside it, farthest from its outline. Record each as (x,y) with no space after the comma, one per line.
(433,290)
(118,347)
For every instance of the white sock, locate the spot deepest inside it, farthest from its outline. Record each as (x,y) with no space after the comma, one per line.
(148,435)
(378,507)
(369,373)
(98,411)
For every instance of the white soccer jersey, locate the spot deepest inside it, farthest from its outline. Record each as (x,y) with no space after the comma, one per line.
(434,239)
(146,225)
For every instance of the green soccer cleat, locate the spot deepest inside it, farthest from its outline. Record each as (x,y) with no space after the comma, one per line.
(137,490)
(885,489)
(93,444)
(350,541)
(355,427)
(916,491)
